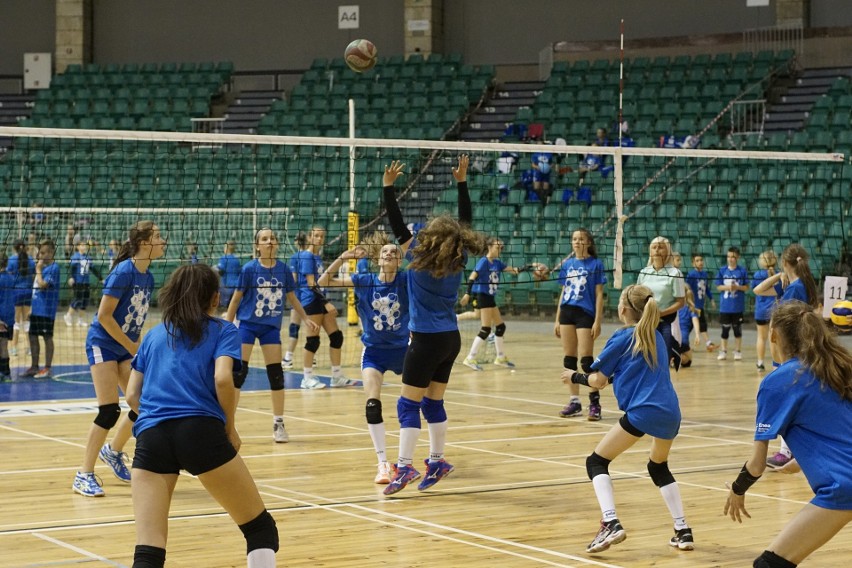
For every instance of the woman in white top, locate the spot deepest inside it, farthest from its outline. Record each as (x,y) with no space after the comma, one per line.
(666,282)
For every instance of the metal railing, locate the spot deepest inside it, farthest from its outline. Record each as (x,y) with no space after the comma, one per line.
(775,38)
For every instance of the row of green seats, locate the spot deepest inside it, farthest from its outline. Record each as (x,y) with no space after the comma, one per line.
(139,80)
(150,68)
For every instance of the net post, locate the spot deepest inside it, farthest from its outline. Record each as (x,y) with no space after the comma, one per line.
(618,248)
(352,219)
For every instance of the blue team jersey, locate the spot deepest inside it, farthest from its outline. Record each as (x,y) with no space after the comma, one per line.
(362,266)
(763,305)
(432,300)
(303,263)
(133,290)
(81,266)
(488,273)
(23,282)
(645,394)
(383,309)
(684,319)
(580,279)
(264,290)
(178,378)
(795,291)
(732,302)
(792,403)
(229,269)
(46,300)
(698,281)
(7,299)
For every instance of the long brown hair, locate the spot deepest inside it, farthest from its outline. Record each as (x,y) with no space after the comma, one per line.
(185,300)
(767,260)
(140,231)
(20,248)
(796,256)
(592,250)
(640,300)
(441,246)
(804,335)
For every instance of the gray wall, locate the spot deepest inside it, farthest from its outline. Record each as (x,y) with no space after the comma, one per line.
(26,26)
(831,13)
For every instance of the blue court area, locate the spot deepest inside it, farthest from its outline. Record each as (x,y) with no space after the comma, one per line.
(75,381)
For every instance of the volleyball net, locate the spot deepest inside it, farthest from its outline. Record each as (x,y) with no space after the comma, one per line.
(204,190)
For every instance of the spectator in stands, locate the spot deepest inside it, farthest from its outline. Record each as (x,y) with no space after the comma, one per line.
(541,165)
(601,138)
(590,163)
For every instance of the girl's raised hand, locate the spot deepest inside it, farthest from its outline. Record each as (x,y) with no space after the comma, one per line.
(393,171)
(460,172)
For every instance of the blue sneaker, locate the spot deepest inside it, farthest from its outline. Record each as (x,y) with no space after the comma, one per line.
(115,461)
(435,472)
(404,475)
(88,485)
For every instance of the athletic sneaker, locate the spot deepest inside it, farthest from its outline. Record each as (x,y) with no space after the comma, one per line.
(435,472)
(468,362)
(722,356)
(31,372)
(402,477)
(88,485)
(610,533)
(44,373)
(115,461)
(384,473)
(279,432)
(778,461)
(312,383)
(287,363)
(738,356)
(338,382)
(682,539)
(504,362)
(760,366)
(81,323)
(711,347)
(573,408)
(67,319)
(594,412)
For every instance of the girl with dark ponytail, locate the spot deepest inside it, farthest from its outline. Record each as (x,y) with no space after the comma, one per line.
(22,267)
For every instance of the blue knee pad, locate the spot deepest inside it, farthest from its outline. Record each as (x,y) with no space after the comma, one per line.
(294,330)
(335,340)
(433,410)
(408,412)
(596,465)
(275,374)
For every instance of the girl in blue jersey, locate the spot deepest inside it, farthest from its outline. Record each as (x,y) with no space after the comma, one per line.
(301,242)
(229,272)
(764,303)
(81,269)
(732,283)
(182,387)
(579,315)
(258,304)
(635,361)
(437,260)
(687,320)
(22,267)
(483,283)
(43,314)
(7,316)
(382,305)
(698,280)
(112,341)
(666,282)
(808,400)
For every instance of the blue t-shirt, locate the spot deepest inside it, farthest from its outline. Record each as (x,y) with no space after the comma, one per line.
(488,274)
(544,161)
(580,280)
(7,299)
(432,300)
(684,318)
(179,379)
(133,290)
(698,282)
(763,305)
(732,302)
(23,283)
(305,262)
(795,291)
(645,394)
(229,269)
(362,266)
(792,403)
(383,309)
(264,290)
(81,266)
(46,300)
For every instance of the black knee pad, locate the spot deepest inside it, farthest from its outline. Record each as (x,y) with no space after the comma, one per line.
(145,556)
(771,560)
(107,415)
(569,363)
(484,332)
(586,364)
(132,415)
(312,343)
(596,465)
(294,331)
(660,474)
(335,340)
(260,533)
(275,374)
(500,330)
(726,330)
(738,329)
(240,376)
(374,411)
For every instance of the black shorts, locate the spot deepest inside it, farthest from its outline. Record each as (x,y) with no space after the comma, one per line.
(316,307)
(9,333)
(578,317)
(430,357)
(761,322)
(82,293)
(197,444)
(731,319)
(630,428)
(485,301)
(702,322)
(41,325)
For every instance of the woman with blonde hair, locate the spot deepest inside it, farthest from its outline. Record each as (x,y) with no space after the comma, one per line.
(667,285)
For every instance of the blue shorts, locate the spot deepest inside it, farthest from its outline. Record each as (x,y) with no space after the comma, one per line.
(265,334)
(23,297)
(542,177)
(104,353)
(383,360)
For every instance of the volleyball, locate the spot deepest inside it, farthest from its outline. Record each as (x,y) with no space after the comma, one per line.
(360,55)
(540,271)
(841,315)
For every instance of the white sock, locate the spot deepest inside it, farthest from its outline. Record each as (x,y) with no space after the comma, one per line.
(261,558)
(785,449)
(498,345)
(407,442)
(278,418)
(437,440)
(308,371)
(377,433)
(606,498)
(335,371)
(474,349)
(671,495)
(288,356)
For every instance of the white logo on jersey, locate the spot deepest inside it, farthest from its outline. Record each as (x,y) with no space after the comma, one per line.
(702,289)
(730,293)
(493,281)
(763,428)
(575,284)
(270,296)
(137,311)
(386,312)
